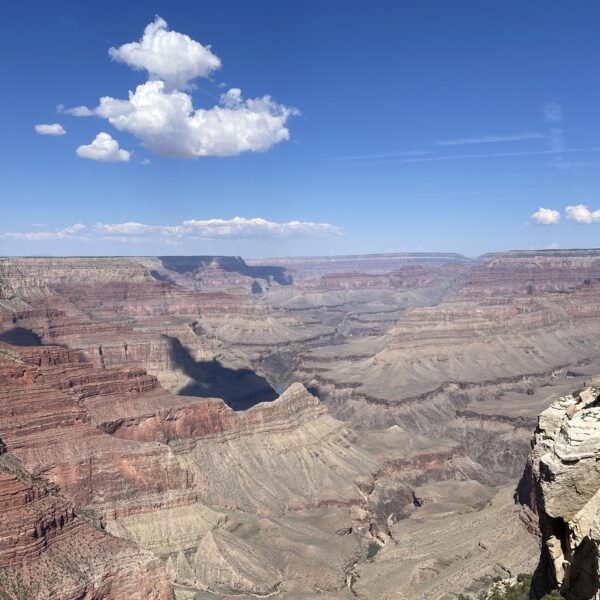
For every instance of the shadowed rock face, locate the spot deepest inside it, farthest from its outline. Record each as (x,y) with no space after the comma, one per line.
(238,388)
(20,336)
(230,264)
(165,402)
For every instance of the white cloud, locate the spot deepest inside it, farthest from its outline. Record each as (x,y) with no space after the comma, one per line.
(546,216)
(232,98)
(582,214)
(52,129)
(162,116)
(79,111)
(172,57)
(491,139)
(552,112)
(129,228)
(238,227)
(104,149)
(71,232)
(166,122)
(193,229)
(249,228)
(76,228)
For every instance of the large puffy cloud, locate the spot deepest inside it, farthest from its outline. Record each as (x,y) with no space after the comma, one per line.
(50,129)
(173,57)
(166,122)
(546,216)
(161,114)
(104,149)
(193,229)
(582,214)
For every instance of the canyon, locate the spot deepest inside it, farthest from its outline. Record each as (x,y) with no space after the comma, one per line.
(199,428)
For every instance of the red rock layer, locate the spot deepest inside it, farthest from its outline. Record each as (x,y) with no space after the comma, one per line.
(47,551)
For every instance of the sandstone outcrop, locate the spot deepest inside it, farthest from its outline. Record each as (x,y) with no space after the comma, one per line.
(564,462)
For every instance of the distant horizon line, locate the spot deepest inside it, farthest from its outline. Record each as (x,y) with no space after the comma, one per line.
(312,256)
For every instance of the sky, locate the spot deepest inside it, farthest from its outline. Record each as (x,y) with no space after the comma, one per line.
(311,127)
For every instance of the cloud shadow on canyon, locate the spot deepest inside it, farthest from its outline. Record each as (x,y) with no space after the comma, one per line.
(231,264)
(20,336)
(238,388)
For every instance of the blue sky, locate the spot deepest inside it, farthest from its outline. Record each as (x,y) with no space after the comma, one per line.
(391,126)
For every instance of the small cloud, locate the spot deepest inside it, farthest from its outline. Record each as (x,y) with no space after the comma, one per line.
(76,228)
(71,232)
(145,162)
(79,111)
(552,112)
(580,213)
(104,149)
(553,246)
(231,98)
(546,216)
(50,129)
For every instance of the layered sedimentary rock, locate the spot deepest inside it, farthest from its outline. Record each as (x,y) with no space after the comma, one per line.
(125,313)
(512,315)
(564,463)
(47,550)
(314,267)
(194,409)
(190,480)
(205,488)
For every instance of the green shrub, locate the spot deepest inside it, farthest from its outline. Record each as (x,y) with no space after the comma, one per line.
(372,550)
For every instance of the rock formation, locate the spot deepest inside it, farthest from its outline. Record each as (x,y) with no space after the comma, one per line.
(228,429)
(564,463)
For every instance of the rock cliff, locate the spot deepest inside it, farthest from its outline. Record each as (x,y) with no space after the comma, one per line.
(566,474)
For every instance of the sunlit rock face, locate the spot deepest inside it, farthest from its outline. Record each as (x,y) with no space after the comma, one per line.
(564,461)
(178,493)
(49,549)
(233,430)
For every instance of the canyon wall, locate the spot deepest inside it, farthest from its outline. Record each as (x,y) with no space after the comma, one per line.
(200,412)
(564,463)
